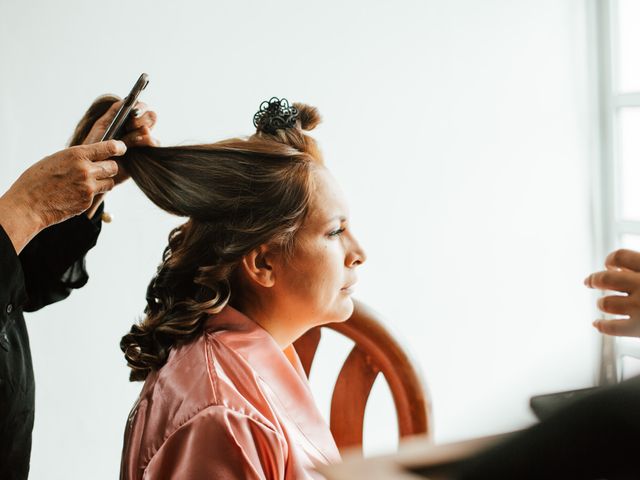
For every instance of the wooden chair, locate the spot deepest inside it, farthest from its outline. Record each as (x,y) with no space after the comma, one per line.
(375,351)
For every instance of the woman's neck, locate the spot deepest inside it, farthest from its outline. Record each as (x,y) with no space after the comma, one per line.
(284,327)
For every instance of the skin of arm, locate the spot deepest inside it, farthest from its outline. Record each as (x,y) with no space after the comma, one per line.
(72,181)
(56,188)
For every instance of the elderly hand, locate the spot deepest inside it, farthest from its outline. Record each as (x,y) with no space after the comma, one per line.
(137,133)
(622,275)
(58,187)
(137,130)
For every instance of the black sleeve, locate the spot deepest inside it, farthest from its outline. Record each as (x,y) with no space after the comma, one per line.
(596,437)
(12,289)
(53,262)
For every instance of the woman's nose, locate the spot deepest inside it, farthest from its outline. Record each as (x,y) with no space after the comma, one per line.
(357,255)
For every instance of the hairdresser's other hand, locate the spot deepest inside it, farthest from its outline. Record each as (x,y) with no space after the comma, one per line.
(58,187)
(622,275)
(137,130)
(137,134)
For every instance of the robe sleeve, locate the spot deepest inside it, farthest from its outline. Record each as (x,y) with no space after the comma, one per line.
(223,444)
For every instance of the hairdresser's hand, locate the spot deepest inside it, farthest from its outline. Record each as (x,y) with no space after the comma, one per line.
(58,187)
(137,131)
(622,275)
(137,134)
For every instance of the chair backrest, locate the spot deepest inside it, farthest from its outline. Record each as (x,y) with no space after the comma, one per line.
(375,351)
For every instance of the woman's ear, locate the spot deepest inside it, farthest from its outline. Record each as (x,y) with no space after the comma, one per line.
(258,266)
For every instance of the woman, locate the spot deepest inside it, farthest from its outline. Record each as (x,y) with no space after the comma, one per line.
(265,255)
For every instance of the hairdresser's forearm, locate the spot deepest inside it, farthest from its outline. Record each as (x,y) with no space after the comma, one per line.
(19,221)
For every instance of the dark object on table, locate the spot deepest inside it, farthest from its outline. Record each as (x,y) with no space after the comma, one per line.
(544,406)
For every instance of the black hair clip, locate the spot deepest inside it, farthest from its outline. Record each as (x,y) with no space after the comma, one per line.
(274,114)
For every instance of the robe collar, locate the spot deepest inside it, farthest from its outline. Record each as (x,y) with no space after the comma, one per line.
(281,370)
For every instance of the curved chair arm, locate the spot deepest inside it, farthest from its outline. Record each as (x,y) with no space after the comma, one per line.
(375,351)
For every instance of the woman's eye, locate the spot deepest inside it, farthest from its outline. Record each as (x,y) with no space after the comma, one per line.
(337,232)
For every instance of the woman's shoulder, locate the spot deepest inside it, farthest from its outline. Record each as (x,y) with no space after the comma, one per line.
(219,441)
(202,374)
(202,382)
(204,433)
(182,387)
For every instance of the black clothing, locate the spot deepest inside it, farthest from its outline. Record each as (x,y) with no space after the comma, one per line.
(596,437)
(45,272)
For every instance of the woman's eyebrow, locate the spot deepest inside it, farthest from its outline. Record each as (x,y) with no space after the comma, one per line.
(342,218)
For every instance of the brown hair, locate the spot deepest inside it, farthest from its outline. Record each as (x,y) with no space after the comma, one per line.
(238,194)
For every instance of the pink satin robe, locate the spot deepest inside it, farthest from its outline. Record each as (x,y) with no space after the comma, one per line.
(229,405)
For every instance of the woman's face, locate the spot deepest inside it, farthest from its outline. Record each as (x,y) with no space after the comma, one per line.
(315,284)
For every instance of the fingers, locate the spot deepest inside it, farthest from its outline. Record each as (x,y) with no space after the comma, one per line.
(140,138)
(103,169)
(623,258)
(104,185)
(620,328)
(102,150)
(621,281)
(618,305)
(140,109)
(143,118)
(622,275)
(139,127)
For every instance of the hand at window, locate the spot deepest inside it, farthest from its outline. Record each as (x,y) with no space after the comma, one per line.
(622,275)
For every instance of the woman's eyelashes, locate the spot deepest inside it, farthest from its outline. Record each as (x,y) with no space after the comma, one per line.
(337,232)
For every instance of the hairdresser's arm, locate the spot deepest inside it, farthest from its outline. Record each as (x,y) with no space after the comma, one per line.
(137,134)
(54,262)
(622,275)
(56,188)
(48,197)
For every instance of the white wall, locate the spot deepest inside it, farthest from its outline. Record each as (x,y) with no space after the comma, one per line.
(460,131)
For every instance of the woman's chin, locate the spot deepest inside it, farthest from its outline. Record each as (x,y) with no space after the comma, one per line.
(340,313)
(346,310)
